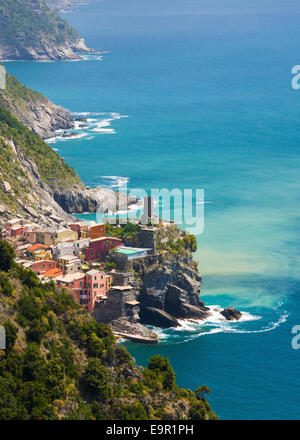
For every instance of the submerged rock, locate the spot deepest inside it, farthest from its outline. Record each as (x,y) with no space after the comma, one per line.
(231,314)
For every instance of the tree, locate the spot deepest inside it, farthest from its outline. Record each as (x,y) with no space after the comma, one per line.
(97,379)
(162,367)
(11,333)
(202,392)
(7,255)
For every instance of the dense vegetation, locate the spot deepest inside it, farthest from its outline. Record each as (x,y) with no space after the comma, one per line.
(16,93)
(60,364)
(128,232)
(29,24)
(170,239)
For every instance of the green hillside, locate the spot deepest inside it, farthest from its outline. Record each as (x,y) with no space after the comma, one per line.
(60,364)
(23,22)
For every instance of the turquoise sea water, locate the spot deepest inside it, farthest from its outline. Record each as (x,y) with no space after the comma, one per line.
(205,86)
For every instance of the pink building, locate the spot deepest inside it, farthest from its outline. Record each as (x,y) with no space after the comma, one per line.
(86,288)
(96,284)
(16,231)
(99,247)
(40,267)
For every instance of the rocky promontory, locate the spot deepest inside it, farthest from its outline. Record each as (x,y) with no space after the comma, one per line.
(34,110)
(32,31)
(170,289)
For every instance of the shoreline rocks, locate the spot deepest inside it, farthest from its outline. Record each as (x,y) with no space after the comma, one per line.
(231,314)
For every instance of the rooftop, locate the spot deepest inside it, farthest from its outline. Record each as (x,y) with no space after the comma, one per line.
(130,250)
(71,277)
(69,258)
(36,247)
(132,303)
(93,272)
(53,273)
(105,238)
(121,288)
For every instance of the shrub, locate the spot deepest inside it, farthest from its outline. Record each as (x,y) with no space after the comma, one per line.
(5,285)
(7,255)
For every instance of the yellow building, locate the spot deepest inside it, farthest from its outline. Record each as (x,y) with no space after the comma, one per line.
(65,235)
(109,280)
(42,255)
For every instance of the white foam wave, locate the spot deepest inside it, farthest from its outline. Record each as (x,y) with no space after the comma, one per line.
(116,181)
(94,123)
(215,323)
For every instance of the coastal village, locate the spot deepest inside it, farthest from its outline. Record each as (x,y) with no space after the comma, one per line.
(86,261)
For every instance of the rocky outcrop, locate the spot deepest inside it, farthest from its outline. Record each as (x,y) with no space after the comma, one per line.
(63,5)
(79,199)
(231,314)
(157,317)
(34,110)
(68,51)
(35,32)
(170,289)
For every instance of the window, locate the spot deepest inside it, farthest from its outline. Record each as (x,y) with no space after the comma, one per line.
(92,254)
(95,286)
(101,277)
(95,278)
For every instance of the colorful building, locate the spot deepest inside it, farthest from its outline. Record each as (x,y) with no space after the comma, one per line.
(39,252)
(46,237)
(65,235)
(69,263)
(96,285)
(96,231)
(40,267)
(99,248)
(53,273)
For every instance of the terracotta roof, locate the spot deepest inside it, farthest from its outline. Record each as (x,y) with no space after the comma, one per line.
(36,247)
(53,273)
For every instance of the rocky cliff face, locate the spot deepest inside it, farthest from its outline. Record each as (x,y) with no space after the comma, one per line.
(36,182)
(170,289)
(33,109)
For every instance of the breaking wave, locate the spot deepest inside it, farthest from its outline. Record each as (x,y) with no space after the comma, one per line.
(215,323)
(88,126)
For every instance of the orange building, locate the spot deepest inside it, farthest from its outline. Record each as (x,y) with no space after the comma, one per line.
(96,231)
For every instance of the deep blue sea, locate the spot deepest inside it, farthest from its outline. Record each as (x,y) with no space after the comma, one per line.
(197,94)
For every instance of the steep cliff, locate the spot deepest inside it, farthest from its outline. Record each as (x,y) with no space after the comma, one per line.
(33,109)
(37,183)
(170,288)
(30,30)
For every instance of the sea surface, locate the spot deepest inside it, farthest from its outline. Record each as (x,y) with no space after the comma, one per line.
(197,94)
